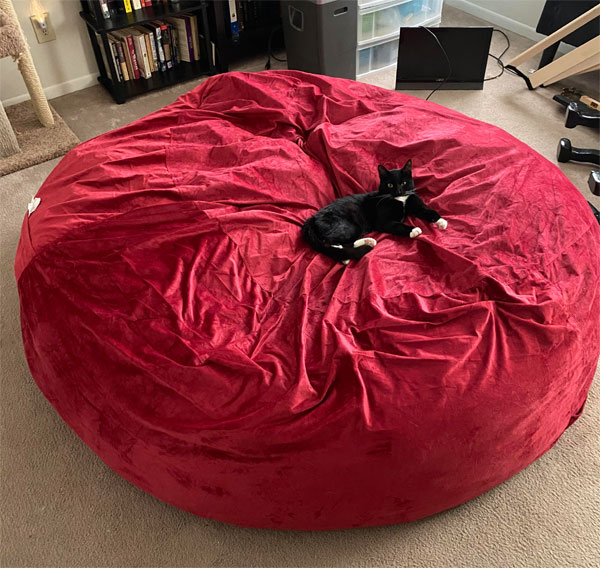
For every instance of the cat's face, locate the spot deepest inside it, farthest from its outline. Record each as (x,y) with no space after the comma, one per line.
(396,182)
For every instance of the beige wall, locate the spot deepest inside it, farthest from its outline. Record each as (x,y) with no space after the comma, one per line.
(64,65)
(519,16)
(524,11)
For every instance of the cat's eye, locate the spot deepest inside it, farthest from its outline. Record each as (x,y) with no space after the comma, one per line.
(390,185)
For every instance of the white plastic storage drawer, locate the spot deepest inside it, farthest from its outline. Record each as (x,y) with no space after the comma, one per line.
(363,4)
(384,20)
(376,56)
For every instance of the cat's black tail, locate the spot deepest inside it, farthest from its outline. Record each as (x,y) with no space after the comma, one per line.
(337,252)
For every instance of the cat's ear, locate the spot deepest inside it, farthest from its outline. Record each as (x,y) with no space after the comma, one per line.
(382,171)
(408,167)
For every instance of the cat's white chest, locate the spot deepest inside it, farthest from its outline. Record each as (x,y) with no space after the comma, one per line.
(401,198)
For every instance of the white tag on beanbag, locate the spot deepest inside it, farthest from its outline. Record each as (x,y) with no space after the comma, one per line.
(33,204)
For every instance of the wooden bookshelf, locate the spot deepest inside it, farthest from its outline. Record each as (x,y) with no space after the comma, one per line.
(121,91)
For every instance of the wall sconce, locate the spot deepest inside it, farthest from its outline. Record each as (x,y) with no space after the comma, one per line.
(40,20)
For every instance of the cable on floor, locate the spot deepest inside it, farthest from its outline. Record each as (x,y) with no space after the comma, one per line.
(498,59)
(270,53)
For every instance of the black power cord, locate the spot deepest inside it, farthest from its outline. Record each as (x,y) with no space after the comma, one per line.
(447,61)
(270,53)
(497,58)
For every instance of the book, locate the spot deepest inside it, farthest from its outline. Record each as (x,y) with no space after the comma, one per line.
(126,56)
(194,28)
(147,37)
(104,57)
(212,55)
(127,5)
(182,29)
(166,44)
(189,30)
(104,8)
(242,9)
(136,4)
(121,54)
(160,53)
(233,22)
(114,55)
(174,44)
(139,41)
(151,45)
(125,36)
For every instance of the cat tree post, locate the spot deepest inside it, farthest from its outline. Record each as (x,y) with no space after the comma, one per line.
(8,140)
(25,64)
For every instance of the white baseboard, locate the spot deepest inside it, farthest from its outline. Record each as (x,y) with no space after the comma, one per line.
(503,21)
(58,90)
(495,18)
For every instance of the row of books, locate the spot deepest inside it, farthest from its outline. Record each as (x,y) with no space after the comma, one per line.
(109,8)
(140,51)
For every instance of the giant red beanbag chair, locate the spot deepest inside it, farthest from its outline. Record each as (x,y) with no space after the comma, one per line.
(178,323)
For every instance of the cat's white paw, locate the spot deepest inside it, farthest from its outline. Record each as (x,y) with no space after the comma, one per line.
(366,241)
(441,223)
(415,233)
(347,261)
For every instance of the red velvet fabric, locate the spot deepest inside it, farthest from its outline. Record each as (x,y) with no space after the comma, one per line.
(175,319)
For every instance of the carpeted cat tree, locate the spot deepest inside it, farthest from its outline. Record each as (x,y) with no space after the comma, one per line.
(13,43)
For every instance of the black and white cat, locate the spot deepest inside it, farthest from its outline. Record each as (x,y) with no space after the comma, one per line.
(338,229)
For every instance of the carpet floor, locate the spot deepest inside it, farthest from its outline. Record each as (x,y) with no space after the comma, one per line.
(61,506)
(37,144)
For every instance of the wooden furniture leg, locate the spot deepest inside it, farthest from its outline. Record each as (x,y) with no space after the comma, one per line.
(581,59)
(556,36)
(584,67)
(548,55)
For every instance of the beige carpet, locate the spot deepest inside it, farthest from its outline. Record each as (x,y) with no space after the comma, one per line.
(61,506)
(38,144)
